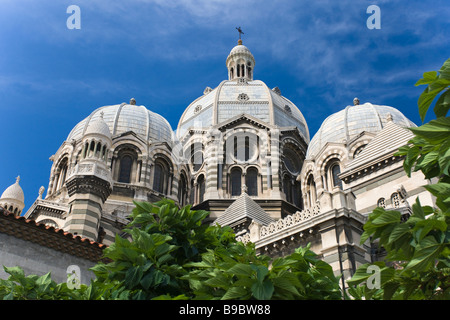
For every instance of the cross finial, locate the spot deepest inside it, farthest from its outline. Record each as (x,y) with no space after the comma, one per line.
(240,32)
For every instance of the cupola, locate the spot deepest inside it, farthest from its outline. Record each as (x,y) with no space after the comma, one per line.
(240,63)
(13,198)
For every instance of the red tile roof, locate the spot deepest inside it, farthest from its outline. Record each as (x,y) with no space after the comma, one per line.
(50,237)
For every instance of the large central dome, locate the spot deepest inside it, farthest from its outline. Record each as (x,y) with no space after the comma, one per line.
(240,94)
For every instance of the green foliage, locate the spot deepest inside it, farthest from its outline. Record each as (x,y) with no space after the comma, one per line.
(163,238)
(33,287)
(436,83)
(170,254)
(240,274)
(418,250)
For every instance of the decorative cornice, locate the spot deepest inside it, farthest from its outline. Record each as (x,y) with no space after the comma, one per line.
(380,163)
(89,185)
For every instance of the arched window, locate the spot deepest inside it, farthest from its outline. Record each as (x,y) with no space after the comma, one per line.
(381,203)
(182,190)
(244,147)
(49,223)
(297,195)
(61,173)
(311,190)
(332,180)
(192,193)
(287,188)
(126,162)
(251,181)
(292,160)
(395,199)
(98,150)
(247,148)
(196,156)
(236,181)
(125,166)
(91,149)
(201,186)
(159,178)
(335,171)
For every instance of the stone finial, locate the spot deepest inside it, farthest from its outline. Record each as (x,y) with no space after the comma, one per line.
(356,101)
(389,117)
(41,192)
(132,101)
(207,90)
(277,91)
(17,179)
(244,189)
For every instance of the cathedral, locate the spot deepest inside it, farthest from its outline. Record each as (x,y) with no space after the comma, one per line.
(241,151)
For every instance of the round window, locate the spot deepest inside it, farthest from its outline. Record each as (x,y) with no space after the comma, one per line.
(292,161)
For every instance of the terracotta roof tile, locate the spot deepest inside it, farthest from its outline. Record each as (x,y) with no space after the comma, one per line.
(55,238)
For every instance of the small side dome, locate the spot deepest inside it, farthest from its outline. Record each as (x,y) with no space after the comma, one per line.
(123,118)
(14,192)
(13,198)
(98,126)
(346,124)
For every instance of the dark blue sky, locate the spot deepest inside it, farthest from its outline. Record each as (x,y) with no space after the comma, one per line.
(164,53)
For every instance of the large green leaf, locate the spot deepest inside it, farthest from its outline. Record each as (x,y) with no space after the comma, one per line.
(235,293)
(289,282)
(263,290)
(444,72)
(398,232)
(133,276)
(436,130)
(241,269)
(388,217)
(426,252)
(428,77)
(440,190)
(442,104)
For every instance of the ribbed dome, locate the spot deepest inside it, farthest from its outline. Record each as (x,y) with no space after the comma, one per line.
(232,98)
(240,48)
(14,192)
(123,118)
(346,124)
(240,94)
